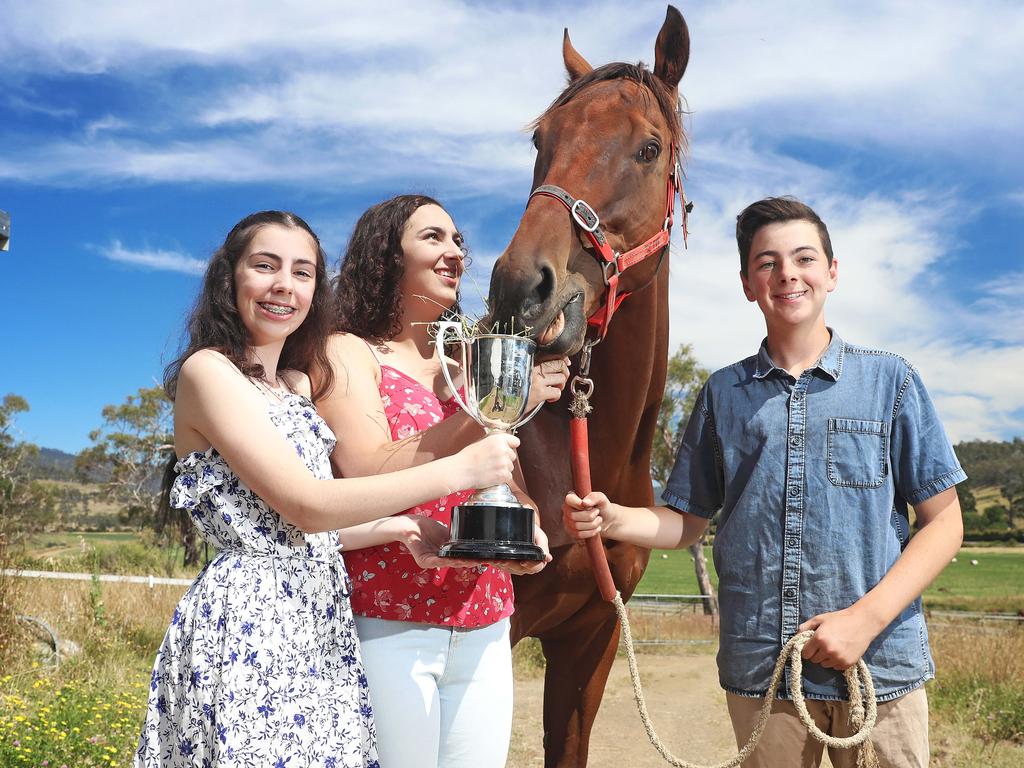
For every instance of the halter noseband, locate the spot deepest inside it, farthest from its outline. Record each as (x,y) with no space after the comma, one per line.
(613,263)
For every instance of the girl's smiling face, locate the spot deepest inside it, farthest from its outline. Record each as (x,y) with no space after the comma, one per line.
(274,282)
(432,249)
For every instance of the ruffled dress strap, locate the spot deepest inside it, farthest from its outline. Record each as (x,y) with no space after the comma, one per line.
(198,473)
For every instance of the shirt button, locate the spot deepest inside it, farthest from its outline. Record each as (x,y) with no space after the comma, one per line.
(790,542)
(794,490)
(795,441)
(789,592)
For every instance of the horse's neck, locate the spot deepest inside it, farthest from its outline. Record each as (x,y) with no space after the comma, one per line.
(629,380)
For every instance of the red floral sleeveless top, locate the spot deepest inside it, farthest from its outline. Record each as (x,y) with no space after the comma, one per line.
(387,583)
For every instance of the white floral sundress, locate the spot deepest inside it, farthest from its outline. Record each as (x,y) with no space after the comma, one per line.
(260,667)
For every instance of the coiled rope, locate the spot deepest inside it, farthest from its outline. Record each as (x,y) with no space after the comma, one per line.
(863,704)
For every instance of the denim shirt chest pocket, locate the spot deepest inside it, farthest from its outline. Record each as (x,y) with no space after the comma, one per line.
(857,452)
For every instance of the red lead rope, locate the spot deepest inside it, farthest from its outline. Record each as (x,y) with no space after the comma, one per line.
(581,472)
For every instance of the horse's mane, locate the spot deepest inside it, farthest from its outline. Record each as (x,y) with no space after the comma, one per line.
(668,100)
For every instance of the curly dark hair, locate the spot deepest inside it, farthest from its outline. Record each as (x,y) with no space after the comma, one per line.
(215,322)
(367,288)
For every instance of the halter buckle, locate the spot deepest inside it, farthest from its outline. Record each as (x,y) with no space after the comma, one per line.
(611,269)
(585,216)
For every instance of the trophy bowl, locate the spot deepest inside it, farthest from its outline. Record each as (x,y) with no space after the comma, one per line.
(492,524)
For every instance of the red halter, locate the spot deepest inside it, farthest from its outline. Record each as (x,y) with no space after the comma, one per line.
(613,264)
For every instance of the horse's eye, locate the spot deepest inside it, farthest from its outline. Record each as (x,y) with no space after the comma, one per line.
(536,143)
(650,151)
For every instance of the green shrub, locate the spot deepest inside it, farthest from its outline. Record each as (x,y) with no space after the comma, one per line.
(997,516)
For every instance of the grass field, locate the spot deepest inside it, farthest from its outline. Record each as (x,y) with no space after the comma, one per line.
(118,552)
(48,543)
(671,573)
(995,583)
(981,579)
(988,496)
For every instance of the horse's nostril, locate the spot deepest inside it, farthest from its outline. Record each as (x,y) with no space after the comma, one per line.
(545,288)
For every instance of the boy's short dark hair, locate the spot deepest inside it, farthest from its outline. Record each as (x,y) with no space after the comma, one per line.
(773,210)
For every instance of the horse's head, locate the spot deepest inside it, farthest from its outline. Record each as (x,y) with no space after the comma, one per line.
(610,139)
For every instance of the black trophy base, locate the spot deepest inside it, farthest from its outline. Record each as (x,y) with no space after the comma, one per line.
(492,532)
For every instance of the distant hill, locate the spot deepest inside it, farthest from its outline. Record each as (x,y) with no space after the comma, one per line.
(54,464)
(988,462)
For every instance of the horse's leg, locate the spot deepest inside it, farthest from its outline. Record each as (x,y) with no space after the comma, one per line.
(578,664)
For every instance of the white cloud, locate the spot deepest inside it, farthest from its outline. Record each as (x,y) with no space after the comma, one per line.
(887,297)
(999,310)
(107,123)
(433,95)
(105,35)
(976,388)
(337,75)
(28,103)
(877,69)
(167,261)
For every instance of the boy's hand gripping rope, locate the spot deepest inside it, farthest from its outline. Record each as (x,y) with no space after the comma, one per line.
(863,704)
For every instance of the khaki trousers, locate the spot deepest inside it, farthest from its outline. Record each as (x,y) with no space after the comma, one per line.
(900,736)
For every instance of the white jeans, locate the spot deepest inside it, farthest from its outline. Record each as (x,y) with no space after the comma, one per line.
(442,697)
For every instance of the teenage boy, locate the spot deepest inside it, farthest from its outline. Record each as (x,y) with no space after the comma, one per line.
(811,450)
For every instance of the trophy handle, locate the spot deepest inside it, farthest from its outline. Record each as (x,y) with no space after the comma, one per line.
(533,413)
(443,327)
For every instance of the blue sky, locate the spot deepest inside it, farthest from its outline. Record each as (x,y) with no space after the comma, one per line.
(134,135)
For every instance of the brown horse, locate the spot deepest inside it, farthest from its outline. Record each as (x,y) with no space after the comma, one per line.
(611,139)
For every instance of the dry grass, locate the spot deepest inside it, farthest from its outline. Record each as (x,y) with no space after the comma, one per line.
(658,627)
(977,700)
(9,594)
(979,689)
(117,626)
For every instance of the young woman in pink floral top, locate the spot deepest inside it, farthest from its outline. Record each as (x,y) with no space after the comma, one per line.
(433,632)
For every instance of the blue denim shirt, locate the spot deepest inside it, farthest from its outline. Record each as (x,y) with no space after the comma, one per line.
(813,477)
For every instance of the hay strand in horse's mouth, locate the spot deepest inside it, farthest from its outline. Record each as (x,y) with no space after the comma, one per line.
(553,331)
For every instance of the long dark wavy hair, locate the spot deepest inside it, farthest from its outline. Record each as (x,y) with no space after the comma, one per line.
(215,322)
(367,289)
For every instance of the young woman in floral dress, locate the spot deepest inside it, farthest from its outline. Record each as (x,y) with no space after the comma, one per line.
(260,665)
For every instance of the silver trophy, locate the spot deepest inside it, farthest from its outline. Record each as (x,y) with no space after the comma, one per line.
(496,368)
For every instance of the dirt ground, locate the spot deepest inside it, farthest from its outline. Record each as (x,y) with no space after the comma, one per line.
(683,697)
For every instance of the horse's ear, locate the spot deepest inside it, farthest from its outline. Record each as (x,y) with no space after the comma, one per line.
(672,50)
(575,64)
